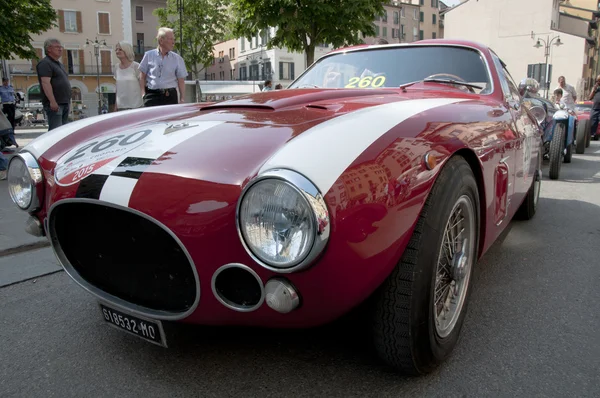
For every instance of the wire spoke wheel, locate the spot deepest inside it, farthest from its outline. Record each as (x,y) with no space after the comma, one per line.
(453,272)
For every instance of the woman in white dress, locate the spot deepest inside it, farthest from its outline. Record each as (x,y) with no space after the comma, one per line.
(127,75)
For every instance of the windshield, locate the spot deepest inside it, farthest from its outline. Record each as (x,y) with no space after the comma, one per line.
(395,66)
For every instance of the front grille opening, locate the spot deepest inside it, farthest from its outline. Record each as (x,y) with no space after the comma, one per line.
(125,255)
(238,288)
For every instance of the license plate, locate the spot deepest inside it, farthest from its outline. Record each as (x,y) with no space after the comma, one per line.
(147,329)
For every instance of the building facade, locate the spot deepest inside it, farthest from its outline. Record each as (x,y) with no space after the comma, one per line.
(255,62)
(223,66)
(90,69)
(144,25)
(398,24)
(512,28)
(429,17)
(406,21)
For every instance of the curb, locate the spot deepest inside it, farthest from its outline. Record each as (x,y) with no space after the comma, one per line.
(24,248)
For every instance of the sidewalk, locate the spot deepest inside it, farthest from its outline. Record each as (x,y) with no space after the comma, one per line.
(13,238)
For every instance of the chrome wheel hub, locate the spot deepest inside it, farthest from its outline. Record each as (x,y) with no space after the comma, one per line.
(453,271)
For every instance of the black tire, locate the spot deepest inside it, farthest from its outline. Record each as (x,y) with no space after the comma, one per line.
(556,151)
(529,206)
(404,331)
(588,134)
(580,139)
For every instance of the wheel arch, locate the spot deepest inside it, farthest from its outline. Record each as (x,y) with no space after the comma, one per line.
(477,169)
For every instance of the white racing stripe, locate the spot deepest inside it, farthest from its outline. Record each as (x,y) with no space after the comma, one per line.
(323,152)
(118,190)
(160,143)
(41,144)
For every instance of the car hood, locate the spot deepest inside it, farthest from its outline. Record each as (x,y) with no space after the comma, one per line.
(318,133)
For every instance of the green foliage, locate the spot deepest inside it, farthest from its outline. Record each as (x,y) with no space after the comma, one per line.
(203,24)
(19,19)
(302,24)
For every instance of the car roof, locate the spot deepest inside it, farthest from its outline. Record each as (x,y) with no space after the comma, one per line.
(462,43)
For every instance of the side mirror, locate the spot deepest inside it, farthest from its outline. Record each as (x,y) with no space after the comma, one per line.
(538,113)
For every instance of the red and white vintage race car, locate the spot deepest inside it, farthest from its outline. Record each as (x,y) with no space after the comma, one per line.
(379,177)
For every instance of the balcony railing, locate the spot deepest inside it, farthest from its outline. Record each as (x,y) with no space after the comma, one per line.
(28,69)
(139,52)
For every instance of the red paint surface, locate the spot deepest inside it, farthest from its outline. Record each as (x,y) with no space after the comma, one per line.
(373,205)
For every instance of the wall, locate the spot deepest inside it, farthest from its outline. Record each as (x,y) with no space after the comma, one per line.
(506,26)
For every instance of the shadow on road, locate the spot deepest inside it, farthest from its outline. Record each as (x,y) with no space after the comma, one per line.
(582,169)
(518,262)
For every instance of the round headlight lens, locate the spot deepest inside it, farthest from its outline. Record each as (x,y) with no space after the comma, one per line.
(20,184)
(277,223)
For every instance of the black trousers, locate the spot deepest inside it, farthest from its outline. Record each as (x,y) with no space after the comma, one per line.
(167,96)
(9,111)
(594,119)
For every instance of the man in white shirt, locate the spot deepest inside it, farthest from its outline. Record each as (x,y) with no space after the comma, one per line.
(163,72)
(569,96)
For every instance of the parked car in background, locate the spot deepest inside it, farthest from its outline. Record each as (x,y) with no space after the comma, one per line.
(583,109)
(369,180)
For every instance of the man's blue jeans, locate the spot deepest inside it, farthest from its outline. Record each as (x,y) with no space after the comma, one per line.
(58,118)
(3,162)
(594,119)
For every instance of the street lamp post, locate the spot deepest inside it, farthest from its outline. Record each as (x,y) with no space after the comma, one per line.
(547,43)
(180,9)
(97,45)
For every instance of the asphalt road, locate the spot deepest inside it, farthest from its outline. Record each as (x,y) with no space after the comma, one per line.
(532,329)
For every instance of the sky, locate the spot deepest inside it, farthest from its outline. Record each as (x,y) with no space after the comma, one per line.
(451,2)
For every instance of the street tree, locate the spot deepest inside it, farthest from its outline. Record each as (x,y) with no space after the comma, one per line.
(21,19)
(303,24)
(200,23)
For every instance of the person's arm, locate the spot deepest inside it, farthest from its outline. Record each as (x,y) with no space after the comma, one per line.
(47,87)
(144,68)
(574,93)
(593,93)
(143,83)
(181,74)
(181,85)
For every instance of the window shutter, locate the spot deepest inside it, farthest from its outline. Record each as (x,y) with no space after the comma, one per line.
(61,20)
(34,61)
(105,59)
(65,58)
(281,71)
(79,22)
(81,61)
(292,71)
(103,23)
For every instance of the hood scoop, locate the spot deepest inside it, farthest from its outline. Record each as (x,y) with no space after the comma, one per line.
(278,99)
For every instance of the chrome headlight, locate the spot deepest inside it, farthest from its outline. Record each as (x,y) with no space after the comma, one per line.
(24,176)
(283,221)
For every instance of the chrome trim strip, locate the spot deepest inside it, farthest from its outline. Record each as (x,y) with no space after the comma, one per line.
(315,200)
(111,300)
(230,304)
(37,180)
(508,183)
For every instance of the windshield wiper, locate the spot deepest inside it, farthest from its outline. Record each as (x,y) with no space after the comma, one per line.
(447,81)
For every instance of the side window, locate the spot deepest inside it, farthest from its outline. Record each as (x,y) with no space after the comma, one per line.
(514,91)
(501,76)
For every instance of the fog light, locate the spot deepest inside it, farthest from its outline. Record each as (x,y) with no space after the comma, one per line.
(281,296)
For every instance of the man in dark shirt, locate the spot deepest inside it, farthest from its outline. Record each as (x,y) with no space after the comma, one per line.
(595,115)
(54,81)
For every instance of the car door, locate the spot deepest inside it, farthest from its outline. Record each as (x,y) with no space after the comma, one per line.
(505,170)
(527,146)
